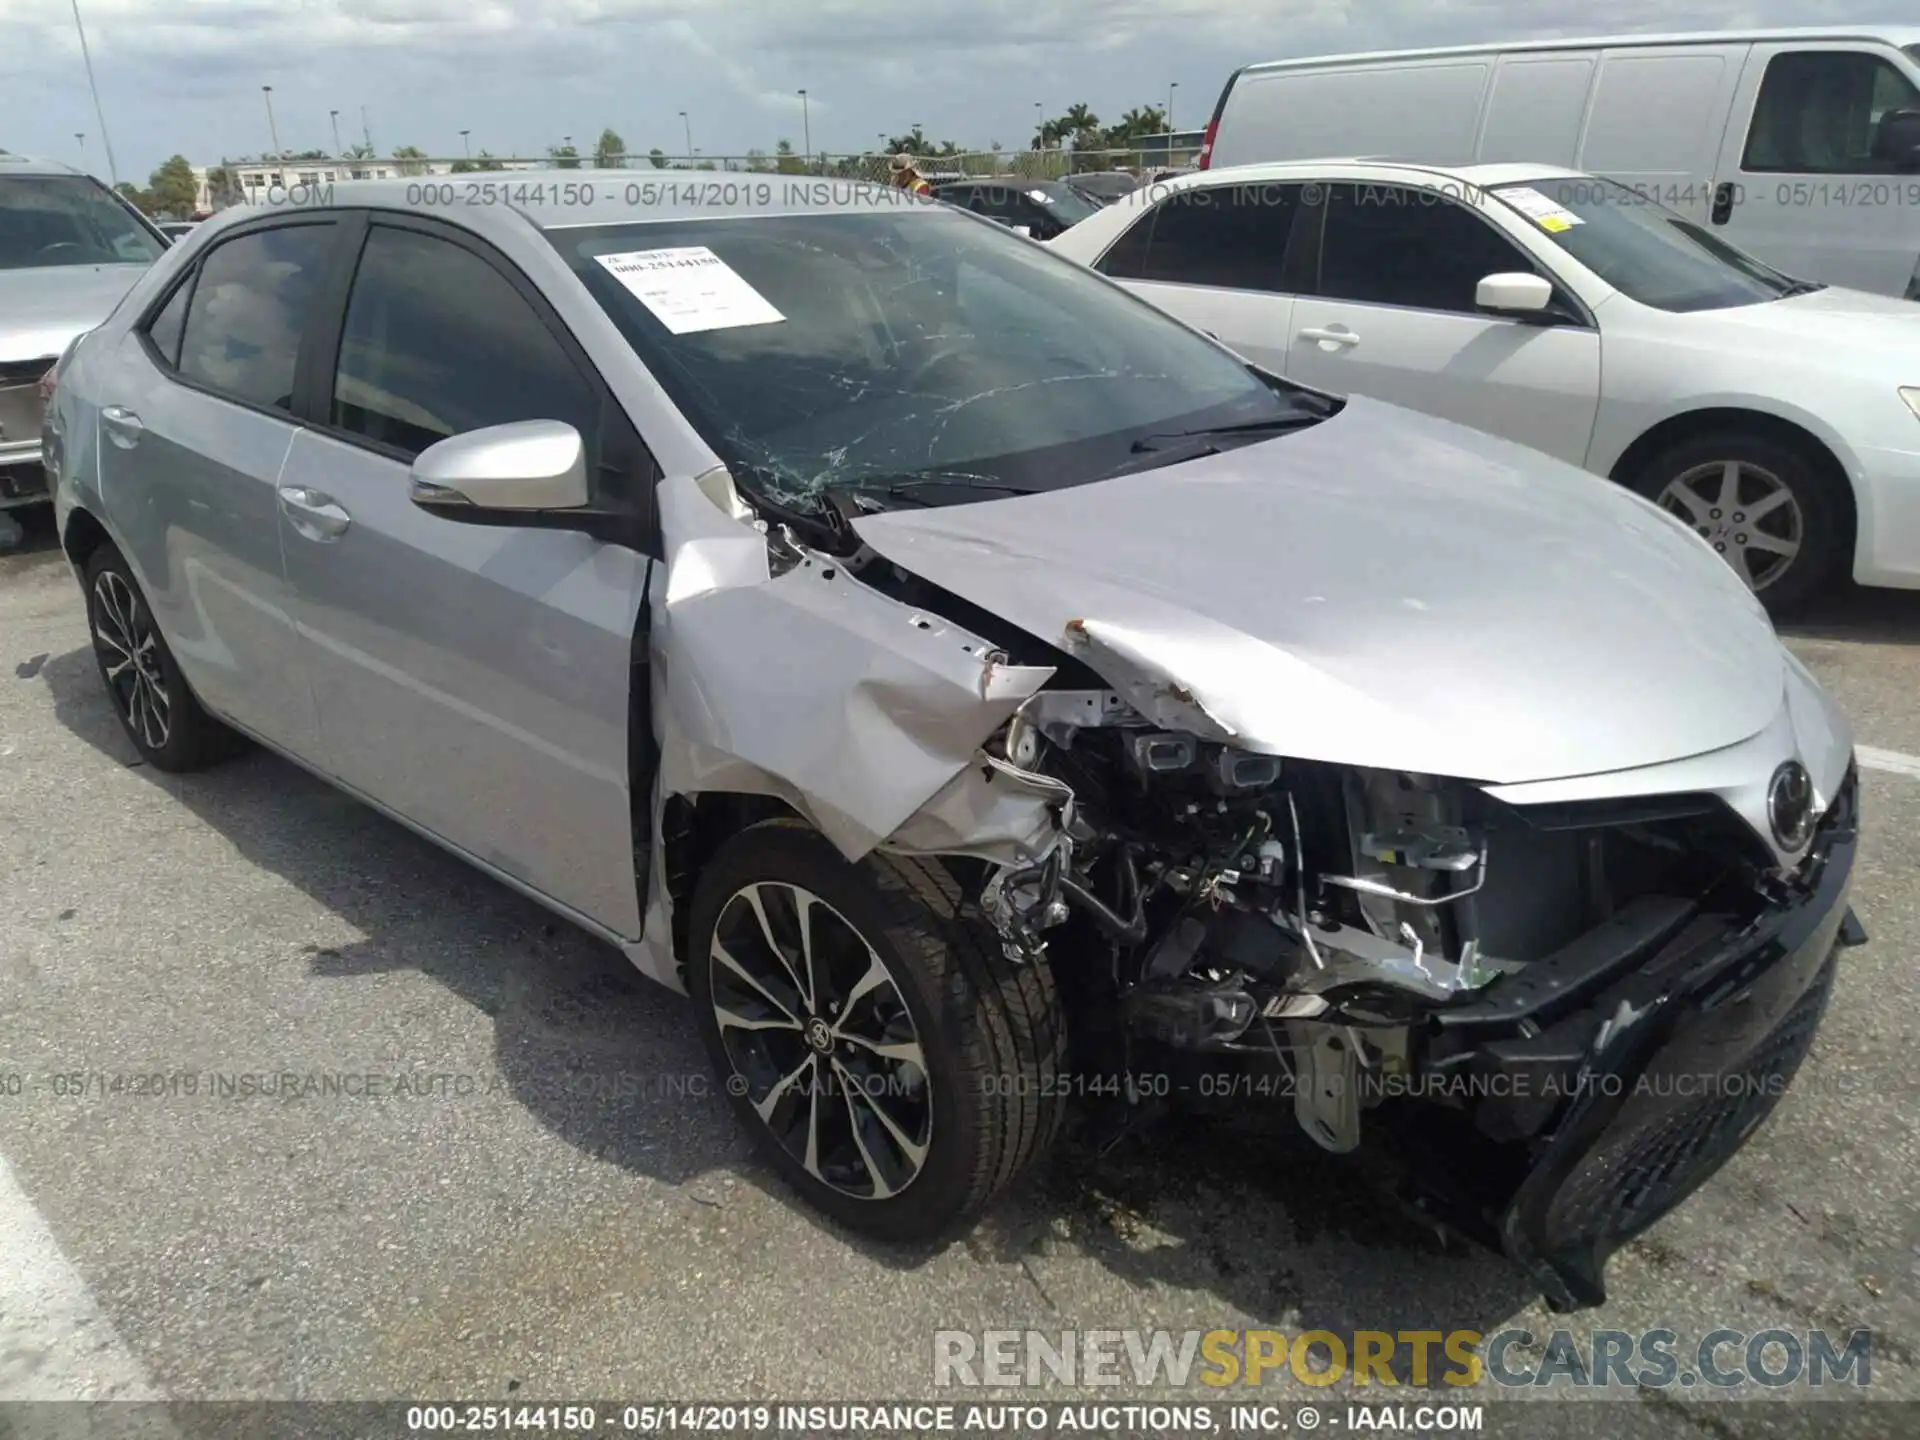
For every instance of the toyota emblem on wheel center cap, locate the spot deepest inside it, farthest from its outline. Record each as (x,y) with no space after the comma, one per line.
(1790,805)
(818,1035)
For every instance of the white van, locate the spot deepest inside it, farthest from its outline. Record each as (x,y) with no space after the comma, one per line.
(1801,147)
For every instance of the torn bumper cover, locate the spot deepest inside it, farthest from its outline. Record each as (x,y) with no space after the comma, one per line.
(1618,1079)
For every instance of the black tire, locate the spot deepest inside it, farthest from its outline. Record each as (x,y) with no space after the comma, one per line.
(991,1033)
(1821,508)
(156,707)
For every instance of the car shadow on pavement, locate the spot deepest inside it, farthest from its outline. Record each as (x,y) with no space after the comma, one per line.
(612,1064)
(1853,612)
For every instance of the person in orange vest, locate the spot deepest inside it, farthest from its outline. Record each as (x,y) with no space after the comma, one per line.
(907,177)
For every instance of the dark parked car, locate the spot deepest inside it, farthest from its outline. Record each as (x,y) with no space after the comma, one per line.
(1103,187)
(1040,208)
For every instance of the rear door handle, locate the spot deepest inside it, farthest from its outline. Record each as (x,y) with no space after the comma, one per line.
(123,426)
(1332,335)
(316,516)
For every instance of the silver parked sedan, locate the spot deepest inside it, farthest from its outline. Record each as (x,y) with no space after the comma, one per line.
(977,689)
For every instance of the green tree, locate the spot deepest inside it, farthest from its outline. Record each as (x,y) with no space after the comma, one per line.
(413,160)
(611,152)
(1133,127)
(359,152)
(785,161)
(564,157)
(912,143)
(486,160)
(172,190)
(135,196)
(657,158)
(463,167)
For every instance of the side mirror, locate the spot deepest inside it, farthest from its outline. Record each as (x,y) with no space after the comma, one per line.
(1515,294)
(1026,230)
(531,465)
(1896,139)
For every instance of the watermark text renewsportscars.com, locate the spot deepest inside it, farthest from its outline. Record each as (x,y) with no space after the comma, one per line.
(1717,1359)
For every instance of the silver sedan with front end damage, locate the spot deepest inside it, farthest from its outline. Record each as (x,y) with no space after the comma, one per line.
(968,684)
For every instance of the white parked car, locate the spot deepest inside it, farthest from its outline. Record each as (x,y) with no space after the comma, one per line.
(1778,417)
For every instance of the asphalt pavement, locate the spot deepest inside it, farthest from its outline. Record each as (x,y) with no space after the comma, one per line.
(555,1206)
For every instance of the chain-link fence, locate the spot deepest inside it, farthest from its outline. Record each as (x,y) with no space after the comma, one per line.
(874,166)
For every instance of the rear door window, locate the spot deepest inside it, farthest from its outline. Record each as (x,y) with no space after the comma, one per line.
(1228,236)
(249,311)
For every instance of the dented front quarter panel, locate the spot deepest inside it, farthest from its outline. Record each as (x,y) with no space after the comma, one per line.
(864,715)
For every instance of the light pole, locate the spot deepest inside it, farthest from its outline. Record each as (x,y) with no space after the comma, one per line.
(366,131)
(1172,85)
(465,144)
(106,141)
(81,136)
(689,124)
(333,116)
(273,128)
(806,129)
(1039,122)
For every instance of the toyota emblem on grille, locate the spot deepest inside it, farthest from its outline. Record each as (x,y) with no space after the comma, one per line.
(1790,805)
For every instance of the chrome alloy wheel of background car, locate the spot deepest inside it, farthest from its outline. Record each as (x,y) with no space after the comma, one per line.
(124,636)
(1745,512)
(815,1027)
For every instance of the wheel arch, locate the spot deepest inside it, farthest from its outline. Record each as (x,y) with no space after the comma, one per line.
(82,535)
(692,830)
(1762,424)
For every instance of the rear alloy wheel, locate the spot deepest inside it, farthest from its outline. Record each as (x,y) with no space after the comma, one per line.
(1773,516)
(149,694)
(886,1058)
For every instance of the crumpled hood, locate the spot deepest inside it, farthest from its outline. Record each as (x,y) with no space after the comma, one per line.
(1384,589)
(42,309)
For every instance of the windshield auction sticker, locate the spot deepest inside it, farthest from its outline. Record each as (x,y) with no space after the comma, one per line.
(1538,208)
(689,289)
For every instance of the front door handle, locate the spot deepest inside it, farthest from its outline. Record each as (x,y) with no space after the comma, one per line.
(123,426)
(316,516)
(1336,335)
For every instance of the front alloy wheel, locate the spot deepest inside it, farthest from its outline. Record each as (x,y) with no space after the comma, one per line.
(1779,514)
(1744,512)
(886,1058)
(814,1023)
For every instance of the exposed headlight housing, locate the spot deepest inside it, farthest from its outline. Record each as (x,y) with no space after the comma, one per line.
(1911,394)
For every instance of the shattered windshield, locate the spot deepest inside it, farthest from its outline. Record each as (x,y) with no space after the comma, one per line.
(48,220)
(915,351)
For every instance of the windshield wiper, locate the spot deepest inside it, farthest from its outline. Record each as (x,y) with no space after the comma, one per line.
(903,486)
(1272,425)
(1801,287)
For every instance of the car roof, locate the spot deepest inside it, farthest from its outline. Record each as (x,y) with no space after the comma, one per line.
(1507,173)
(11,164)
(1901,35)
(565,199)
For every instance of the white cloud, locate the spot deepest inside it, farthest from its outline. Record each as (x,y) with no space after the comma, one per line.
(185,75)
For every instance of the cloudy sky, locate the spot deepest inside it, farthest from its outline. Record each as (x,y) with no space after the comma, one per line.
(186,75)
